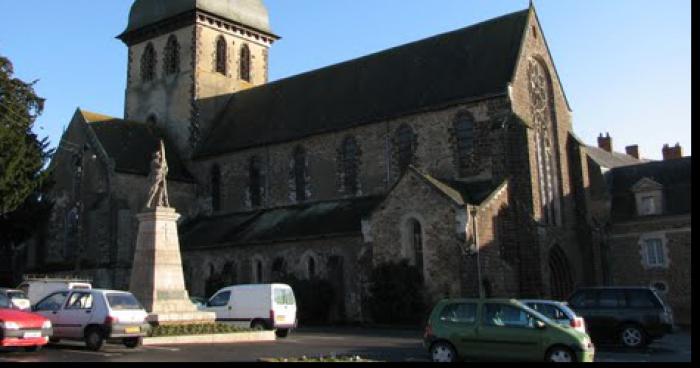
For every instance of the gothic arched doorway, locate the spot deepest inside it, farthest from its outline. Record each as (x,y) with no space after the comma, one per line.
(561,280)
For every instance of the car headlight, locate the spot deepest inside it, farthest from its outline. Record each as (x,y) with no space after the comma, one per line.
(47,325)
(9,326)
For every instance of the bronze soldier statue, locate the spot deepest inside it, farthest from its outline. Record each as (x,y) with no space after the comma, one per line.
(158,195)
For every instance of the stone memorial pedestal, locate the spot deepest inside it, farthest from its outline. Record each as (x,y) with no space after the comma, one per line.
(157,279)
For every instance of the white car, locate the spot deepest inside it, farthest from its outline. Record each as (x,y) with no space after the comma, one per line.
(558,312)
(260,307)
(95,316)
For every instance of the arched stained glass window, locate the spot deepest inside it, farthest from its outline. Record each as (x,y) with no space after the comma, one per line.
(148,63)
(245,63)
(171,59)
(221,55)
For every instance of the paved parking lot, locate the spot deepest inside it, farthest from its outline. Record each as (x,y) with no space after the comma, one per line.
(381,345)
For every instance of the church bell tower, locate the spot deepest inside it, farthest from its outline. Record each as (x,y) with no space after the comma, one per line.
(186,57)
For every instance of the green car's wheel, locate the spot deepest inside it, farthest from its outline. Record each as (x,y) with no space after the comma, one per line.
(560,354)
(443,352)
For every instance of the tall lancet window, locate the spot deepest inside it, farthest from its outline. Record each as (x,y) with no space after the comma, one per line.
(406,144)
(257,190)
(171,59)
(464,132)
(221,55)
(350,166)
(545,137)
(300,173)
(148,63)
(245,63)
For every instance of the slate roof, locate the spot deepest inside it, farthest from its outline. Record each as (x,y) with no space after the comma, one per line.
(462,193)
(674,175)
(611,160)
(305,221)
(131,145)
(468,64)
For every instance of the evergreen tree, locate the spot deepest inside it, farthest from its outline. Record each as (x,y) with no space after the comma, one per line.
(23,158)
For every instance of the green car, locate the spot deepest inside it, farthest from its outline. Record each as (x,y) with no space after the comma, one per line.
(501,330)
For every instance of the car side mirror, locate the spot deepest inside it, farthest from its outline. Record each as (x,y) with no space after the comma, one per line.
(540,325)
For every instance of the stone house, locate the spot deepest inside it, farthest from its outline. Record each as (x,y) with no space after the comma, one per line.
(639,213)
(455,152)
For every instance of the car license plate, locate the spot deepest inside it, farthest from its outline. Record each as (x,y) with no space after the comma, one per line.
(32,334)
(281,318)
(133,329)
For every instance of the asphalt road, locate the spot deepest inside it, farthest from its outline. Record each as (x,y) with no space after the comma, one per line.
(381,345)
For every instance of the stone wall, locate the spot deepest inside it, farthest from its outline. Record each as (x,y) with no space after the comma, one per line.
(443,225)
(628,267)
(377,163)
(167,98)
(237,265)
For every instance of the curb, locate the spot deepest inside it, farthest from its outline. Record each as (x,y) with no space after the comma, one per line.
(211,339)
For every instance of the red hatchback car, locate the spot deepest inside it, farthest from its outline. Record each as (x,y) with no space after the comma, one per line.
(22,329)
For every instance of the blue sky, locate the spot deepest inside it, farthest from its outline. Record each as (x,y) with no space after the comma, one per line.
(625,64)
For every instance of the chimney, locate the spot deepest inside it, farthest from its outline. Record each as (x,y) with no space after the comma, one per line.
(672,153)
(633,151)
(605,143)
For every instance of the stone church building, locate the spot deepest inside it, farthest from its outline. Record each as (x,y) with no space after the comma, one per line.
(454,152)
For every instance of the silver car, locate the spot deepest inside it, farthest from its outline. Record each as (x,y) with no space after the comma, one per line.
(95,316)
(558,312)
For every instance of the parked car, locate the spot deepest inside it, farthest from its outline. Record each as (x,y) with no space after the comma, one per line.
(558,312)
(95,316)
(632,316)
(22,329)
(201,303)
(260,307)
(18,300)
(501,330)
(37,288)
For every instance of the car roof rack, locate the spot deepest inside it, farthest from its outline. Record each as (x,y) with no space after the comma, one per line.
(56,278)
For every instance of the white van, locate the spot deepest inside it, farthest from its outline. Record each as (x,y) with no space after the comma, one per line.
(37,288)
(260,307)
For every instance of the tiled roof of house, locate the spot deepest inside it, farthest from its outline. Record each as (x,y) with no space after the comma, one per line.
(674,175)
(464,65)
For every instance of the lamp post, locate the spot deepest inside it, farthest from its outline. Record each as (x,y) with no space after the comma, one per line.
(474,211)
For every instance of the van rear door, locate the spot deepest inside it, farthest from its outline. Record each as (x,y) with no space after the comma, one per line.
(284,307)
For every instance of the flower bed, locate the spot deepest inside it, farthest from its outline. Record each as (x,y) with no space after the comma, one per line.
(195,330)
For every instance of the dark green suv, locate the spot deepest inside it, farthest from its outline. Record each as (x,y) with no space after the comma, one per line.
(501,330)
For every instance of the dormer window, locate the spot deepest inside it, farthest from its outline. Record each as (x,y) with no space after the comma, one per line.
(648,197)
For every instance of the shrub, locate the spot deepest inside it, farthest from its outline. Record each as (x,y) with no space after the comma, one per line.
(396,294)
